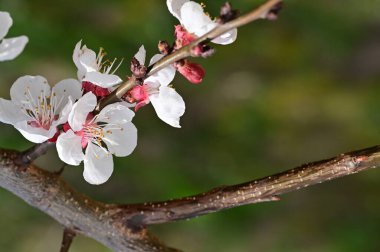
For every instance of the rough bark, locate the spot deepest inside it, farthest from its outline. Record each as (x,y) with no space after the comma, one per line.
(50,194)
(123,227)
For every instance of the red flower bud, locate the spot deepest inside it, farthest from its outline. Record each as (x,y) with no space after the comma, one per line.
(192,72)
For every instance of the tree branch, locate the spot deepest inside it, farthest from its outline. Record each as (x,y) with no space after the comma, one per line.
(28,156)
(256,191)
(47,192)
(68,237)
(186,51)
(123,227)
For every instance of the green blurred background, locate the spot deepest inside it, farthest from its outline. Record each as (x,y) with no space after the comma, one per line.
(301,89)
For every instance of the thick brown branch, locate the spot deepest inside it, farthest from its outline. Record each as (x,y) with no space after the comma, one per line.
(185,52)
(123,227)
(50,194)
(256,191)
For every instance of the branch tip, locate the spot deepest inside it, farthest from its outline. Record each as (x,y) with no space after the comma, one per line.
(274,11)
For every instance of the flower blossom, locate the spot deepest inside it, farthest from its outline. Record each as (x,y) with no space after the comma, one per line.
(35,109)
(93,71)
(192,17)
(167,103)
(10,48)
(93,138)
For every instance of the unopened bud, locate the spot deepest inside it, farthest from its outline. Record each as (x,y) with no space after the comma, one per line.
(191,71)
(273,13)
(183,36)
(137,70)
(164,47)
(227,13)
(202,50)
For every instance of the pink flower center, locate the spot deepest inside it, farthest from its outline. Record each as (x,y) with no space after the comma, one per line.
(42,123)
(183,36)
(138,94)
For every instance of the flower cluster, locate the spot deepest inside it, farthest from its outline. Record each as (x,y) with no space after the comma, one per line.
(69,113)
(194,23)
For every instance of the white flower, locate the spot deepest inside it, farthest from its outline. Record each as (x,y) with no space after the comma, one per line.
(35,110)
(9,48)
(167,103)
(93,139)
(191,15)
(92,69)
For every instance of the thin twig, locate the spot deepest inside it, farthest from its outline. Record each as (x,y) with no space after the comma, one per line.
(185,52)
(67,239)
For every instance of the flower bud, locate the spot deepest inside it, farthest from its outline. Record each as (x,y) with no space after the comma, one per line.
(183,36)
(164,47)
(137,70)
(191,71)
(227,14)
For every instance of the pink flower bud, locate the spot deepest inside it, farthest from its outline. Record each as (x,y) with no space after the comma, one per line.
(192,72)
(183,36)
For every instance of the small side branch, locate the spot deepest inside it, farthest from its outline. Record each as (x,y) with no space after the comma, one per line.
(28,156)
(68,237)
(256,191)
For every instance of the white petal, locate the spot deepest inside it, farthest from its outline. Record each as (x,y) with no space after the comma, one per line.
(76,54)
(10,113)
(87,59)
(69,148)
(165,76)
(140,55)
(169,105)
(227,38)
(116,113)
(10,48)
(33,134)
(27,89)
(80,111)
(63,89)
(174,7)
(102,79)
(120,141)
(5,23)
(98,165)
(64,114)
(195,20)
(155,58)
